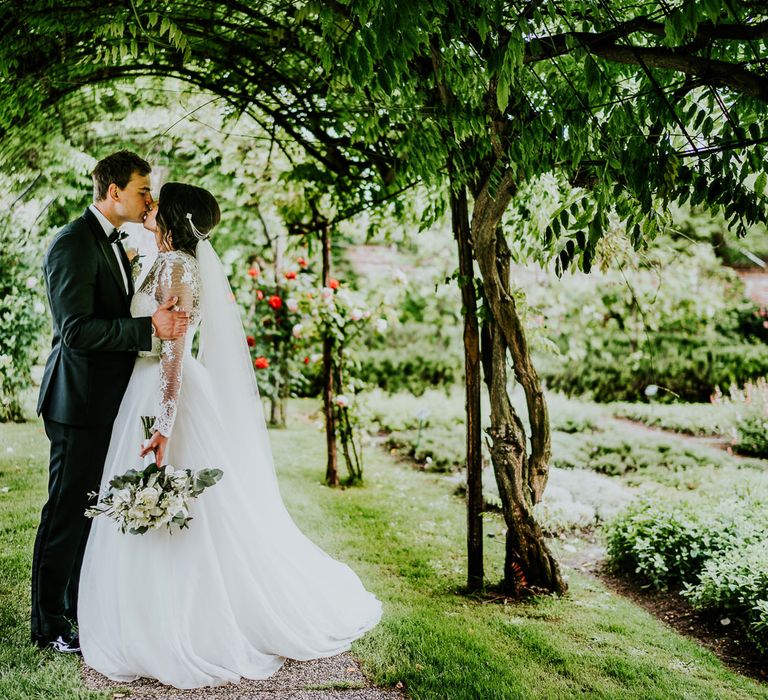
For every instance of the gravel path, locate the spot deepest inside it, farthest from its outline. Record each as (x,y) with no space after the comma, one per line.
(335,678)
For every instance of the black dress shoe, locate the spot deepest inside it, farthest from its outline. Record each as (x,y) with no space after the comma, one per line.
(68,643)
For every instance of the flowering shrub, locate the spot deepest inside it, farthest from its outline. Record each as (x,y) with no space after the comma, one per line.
(23,316)
(277,314)
(341,317)
(290,319)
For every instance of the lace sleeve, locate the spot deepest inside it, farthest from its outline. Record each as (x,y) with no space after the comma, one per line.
(177,276)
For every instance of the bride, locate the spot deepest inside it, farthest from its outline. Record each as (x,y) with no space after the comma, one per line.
(242,589)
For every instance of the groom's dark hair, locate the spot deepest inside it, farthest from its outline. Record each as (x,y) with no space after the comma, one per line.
(117,168)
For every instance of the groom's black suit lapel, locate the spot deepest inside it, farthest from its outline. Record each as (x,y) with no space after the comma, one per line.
(106,250)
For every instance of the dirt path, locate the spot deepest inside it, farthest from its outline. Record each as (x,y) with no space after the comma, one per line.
(713,442)
(335,678)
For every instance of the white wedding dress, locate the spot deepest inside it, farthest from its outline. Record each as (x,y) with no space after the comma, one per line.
(242,589)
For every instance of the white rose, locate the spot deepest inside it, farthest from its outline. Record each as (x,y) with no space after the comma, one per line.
(147,498)
(297,330)
(169,470)
(342,401)
(381,325)
(292,304)
(38,307)
(356,314)
(137,515)
(31,282)
(315,357)
(326,293)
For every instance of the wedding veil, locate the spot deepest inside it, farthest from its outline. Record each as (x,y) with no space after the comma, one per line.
(224,352)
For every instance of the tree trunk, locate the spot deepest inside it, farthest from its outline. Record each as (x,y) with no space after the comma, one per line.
(521,477)
(332,467)
(528,562)
(472,380)
(274,410)
(277,412)
(278,406)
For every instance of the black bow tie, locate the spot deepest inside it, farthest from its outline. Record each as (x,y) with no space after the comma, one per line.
(116,236)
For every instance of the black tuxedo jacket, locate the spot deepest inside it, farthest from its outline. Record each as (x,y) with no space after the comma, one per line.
(95,340)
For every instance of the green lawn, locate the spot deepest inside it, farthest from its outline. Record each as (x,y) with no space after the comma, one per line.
(404,534)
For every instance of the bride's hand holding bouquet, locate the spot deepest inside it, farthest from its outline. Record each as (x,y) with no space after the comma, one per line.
(156,496)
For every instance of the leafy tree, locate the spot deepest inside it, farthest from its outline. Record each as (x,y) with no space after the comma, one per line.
(631,106)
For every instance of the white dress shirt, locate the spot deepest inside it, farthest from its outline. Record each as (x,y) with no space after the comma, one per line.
(108,228)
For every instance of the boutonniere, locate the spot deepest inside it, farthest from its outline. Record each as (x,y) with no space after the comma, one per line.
(134,259)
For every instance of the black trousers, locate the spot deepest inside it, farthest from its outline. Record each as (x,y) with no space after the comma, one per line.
(76,466)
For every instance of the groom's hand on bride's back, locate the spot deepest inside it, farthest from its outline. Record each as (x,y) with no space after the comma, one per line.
(169,324)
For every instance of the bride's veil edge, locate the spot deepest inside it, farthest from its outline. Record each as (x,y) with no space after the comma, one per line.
(223,351)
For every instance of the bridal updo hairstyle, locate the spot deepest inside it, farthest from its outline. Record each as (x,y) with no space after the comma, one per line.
(182,206)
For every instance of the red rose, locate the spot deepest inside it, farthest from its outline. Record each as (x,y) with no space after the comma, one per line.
(261,363)
(251,341)
(290,275)
(302,262)
(333,284)
(259,294)
(253,272)
(306,360)
(275,302)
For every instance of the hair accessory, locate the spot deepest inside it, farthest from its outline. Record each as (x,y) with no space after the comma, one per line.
(198,234)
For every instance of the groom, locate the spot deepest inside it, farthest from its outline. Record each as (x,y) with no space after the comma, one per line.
(95,341)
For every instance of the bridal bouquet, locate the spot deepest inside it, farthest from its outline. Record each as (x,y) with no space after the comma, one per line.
(152,497)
